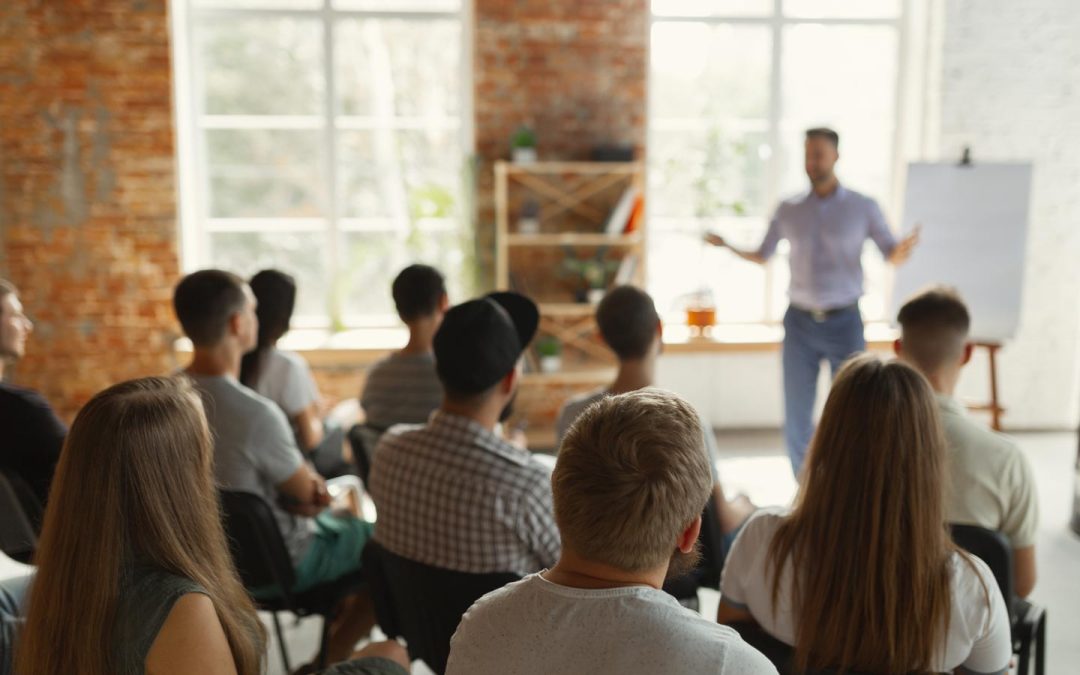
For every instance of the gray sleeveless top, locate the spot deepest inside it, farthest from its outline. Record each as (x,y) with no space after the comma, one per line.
(147,595)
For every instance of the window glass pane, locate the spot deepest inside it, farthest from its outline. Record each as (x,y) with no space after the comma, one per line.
(300,254)
(824,85)
(260,66)
(265,172)
(702,267)
(831,9)
(712,71)
(398,68)
(372,259)
(712,7)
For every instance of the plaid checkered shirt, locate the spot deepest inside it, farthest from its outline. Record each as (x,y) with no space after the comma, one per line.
(452,494)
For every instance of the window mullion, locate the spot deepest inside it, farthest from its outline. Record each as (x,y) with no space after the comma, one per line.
(333,248)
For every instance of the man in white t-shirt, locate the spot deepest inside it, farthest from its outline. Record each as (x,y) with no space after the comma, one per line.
(992,483)
(629,486)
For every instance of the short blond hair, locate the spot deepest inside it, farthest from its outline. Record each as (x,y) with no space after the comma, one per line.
(632,474)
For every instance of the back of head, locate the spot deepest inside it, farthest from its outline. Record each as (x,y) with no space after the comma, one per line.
(204,301)
(134,486)
(628,320)
(867,537)
(418,291)
(275,297)
(632,474)
(934,328)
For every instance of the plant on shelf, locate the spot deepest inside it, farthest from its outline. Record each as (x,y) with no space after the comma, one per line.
(593,274)
(549,349)
(529,218)
(523,145)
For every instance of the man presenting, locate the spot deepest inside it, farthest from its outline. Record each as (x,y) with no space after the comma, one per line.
(826,229)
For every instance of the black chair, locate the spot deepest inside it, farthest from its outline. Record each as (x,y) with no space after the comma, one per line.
(17,537)
(421,603)
(1028,621)
(262,560)
(707,573)
(362,440)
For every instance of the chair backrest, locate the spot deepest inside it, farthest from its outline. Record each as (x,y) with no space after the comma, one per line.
(17,537)
(421,603)
(362,440)
(993,549)
(257,546)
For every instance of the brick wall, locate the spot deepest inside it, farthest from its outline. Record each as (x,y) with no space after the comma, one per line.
(573,70)
(87,203)
(1010,74)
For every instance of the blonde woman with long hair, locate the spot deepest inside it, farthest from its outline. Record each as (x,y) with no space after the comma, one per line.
(862,574)
(134,575)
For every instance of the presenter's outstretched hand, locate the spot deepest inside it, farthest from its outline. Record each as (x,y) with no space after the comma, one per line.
(714,239)
(903,249)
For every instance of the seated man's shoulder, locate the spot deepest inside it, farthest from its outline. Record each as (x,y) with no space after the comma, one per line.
(22,400)
(994,449)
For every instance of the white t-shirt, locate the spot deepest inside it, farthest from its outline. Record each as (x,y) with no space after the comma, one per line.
(979,634)
(536,627)
(286,379)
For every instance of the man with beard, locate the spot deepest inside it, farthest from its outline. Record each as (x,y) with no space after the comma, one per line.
(629,486)
(826,229)
(453,493)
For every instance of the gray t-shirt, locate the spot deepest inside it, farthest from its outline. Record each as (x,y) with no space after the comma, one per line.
(401,389)
(535,627)
(573,408)
(254,450)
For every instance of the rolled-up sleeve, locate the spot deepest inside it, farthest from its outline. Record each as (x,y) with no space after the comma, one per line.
(772,237)
(879,229)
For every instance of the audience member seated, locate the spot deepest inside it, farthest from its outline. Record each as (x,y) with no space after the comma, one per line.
(404,388)
(629,486)
(285,378)
(992,484)
(452,493)
(631,327)
(32,433)
(254,448)
(142,582)
(14,580)
(862,574)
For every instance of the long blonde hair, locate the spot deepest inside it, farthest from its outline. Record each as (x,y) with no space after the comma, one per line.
(867,538)
(134,485)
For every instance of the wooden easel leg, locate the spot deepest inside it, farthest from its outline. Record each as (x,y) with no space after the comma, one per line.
(995,408)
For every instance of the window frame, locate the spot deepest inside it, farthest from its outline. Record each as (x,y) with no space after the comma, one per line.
(906,127)
(195,223)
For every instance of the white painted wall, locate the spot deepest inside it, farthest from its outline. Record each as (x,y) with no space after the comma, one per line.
(1004,78)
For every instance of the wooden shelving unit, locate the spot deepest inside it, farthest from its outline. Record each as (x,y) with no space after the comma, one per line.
(572,204)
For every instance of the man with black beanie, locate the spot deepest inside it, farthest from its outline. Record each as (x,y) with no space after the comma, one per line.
(453,493)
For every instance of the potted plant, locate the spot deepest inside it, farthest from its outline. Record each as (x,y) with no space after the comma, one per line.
(523,145)
(549,349)
(593,274)
(529,218)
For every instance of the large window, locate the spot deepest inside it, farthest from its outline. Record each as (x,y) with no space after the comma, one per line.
(733,85)
(325,138)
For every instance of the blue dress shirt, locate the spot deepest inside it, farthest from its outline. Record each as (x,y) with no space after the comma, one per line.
(826,236)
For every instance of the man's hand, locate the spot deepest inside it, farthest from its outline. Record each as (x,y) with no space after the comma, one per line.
(714,239)
(903,249)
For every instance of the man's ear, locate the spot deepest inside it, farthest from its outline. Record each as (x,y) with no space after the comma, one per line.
(234,324)
(689,536)
(444,303)
(898,347)
(969,348)
(510,381)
